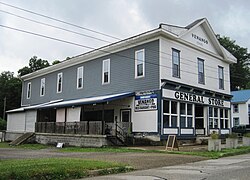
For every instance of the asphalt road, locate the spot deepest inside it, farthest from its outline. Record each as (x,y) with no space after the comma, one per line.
(229,168)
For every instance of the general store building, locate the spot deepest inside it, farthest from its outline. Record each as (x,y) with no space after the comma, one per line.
(169,80)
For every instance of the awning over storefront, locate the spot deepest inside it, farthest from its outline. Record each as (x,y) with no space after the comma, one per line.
(75,102)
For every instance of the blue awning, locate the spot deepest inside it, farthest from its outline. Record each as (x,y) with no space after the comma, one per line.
(90,100)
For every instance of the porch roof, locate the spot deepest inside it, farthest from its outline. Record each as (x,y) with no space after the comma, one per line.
(89,100)
(75,102)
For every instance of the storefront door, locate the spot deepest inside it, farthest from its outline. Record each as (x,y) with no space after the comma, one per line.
(199,120)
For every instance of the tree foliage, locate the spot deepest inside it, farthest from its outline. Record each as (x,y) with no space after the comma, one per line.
(240,71)
(10,88)
(34,65)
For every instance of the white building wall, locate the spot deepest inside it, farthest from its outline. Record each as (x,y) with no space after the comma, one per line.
(16,122)
(242,114)
(30,118)
(189,67)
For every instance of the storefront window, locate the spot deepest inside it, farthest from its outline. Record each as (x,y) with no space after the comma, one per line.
(169,117)
(186,115)
(218,117)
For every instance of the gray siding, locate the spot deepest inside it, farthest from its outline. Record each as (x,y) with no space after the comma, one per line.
(122,77)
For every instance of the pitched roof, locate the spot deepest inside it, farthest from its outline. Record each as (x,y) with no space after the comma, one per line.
(240,96)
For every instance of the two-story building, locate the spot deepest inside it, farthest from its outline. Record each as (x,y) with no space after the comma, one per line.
(169,80)
(240,107)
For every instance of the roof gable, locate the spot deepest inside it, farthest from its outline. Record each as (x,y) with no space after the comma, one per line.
(240,96)
(201,34)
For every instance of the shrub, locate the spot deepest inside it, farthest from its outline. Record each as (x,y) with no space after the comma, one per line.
(214,135)
(3,124)
(232,135)
(247,135)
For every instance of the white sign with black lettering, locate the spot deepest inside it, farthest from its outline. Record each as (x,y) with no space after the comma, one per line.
(146,102)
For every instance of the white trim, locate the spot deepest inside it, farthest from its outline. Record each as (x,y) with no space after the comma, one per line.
(28,90)
(103,71)
(79,69)
(41,86)
(143,63)
(57,82)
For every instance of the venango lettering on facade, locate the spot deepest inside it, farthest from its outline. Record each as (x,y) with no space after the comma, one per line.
(198,99)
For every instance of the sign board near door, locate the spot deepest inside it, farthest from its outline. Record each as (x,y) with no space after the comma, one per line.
(145,101)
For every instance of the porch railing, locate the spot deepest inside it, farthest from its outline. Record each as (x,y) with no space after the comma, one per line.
(83,127)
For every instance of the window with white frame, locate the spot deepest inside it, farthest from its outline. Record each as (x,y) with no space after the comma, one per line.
(169,113)
(235,108)
(201,74)
(224,119)
(106,71)
(221,77)
(80,77)
(175,63)
(139,63)
(59,82)
(29,90)
(42,87)
(213,117)
(186,115)
(236,121)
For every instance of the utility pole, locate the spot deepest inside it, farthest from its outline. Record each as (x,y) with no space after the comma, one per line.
(4,107)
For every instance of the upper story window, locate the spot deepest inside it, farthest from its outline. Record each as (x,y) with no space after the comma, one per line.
(80,77)
(42,87)
(175,63)
(139,63)
(221,77)
(29,90)
(106,71)
(235,108)
(59,82)
(201,73)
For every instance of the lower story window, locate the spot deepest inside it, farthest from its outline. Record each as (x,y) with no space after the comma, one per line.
(216,114)
(169,114)
(236,121)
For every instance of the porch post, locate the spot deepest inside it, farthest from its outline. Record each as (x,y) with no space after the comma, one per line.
(103,119)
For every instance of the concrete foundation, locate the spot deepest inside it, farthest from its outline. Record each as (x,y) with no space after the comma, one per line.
(246,141)
(214,145)
(231,142)
(72,140)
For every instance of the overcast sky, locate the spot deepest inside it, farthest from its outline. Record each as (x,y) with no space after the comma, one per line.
(119,18)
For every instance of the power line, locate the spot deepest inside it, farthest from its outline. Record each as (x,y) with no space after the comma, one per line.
(61,21)
(57,27)
(94,49)
(74,25)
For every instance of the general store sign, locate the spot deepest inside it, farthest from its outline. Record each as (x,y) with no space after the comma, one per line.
(189,97)
(145,101)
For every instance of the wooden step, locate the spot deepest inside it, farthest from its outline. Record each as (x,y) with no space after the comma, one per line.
(21,139)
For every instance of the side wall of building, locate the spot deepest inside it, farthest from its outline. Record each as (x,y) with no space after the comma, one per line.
(122,77)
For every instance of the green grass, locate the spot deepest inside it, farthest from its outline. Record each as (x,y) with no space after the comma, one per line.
(56,168)
(218,154)
(104,149)
(25,146)
(211,155)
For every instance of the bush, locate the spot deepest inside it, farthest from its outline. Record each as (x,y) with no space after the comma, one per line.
(247,135)
(3,124)
(214,135)
(232,135)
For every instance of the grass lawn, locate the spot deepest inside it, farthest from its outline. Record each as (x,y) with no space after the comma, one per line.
(25,146)
(212,155)
(56,168)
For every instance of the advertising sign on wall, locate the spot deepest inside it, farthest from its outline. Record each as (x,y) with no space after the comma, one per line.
(145,101)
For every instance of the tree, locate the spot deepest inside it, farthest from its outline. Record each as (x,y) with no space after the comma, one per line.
(239,72)
(34,65)
(56,62)
(10,88)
